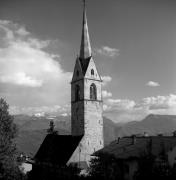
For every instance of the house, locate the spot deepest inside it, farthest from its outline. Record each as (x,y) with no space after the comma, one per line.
(128,151)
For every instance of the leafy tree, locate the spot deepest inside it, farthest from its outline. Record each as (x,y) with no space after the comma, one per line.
(8,165)
(105,166)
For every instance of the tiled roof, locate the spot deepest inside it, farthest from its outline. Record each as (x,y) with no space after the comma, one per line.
(57,149)
(135,147)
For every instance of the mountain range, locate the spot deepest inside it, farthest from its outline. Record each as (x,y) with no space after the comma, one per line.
(32,130)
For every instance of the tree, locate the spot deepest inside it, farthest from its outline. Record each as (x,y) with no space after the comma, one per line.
(8,165)
(105,166)
(51,129)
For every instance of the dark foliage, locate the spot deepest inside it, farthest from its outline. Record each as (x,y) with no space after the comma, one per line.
(50,172)
(8,165)
(151,167)
(105,166)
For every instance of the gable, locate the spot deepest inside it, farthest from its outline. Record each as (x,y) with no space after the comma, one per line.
(92,71)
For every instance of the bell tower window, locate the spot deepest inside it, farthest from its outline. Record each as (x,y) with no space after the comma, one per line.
(77,92)
(92,72)
(77,73)
(93,92)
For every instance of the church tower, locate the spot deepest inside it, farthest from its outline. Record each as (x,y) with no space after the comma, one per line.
(86,101)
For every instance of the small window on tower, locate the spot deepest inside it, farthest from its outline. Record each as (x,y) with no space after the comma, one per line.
(77,92)
(77,73)
(92,72)
(93,92)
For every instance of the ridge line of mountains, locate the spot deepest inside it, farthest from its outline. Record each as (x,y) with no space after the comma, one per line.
(32,130)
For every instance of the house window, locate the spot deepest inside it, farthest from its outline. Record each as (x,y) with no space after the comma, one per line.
(92,72)
(93,92)
(77,92)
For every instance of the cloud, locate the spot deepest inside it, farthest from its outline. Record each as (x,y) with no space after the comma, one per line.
(152,84)
(52,110)
(160,102)
(125,110)
(120,104)
(29,74)
(106,79)
(108,51)
(106,94)
(20,78)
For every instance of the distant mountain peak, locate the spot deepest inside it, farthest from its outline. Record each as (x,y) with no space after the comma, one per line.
(153,124)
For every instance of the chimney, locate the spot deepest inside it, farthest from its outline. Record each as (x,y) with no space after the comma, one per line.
(118,140)
(174,133)
(146,134)
(133,139)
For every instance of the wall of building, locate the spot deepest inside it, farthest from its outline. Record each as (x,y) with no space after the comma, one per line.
(129,173)
(172,156)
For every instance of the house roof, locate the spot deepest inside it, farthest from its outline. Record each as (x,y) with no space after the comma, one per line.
(135,147)
(57,149)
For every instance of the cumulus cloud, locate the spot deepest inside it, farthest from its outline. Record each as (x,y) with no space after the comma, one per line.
(108,51)
(29,74)
(106,79)
(20,78)
(106,94)
(42,110)
(160,102)
(152,84)
(125,110)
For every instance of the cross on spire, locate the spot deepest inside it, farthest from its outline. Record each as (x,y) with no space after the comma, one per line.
(85,49)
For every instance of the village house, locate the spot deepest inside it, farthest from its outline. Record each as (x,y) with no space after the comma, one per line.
(129,151)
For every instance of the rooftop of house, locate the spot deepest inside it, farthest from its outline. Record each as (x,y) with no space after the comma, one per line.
(57,149)
(135,147)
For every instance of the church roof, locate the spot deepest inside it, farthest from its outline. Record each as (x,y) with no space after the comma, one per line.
(57,149)
(84,64)
(85,48)
(135,147)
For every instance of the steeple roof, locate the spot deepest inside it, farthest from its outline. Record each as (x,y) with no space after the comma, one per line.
(85,49)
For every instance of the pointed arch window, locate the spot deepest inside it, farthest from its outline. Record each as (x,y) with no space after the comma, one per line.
(93,92)
(77,92)
(92,72)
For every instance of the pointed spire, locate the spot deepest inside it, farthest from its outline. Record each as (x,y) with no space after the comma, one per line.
(85,49)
